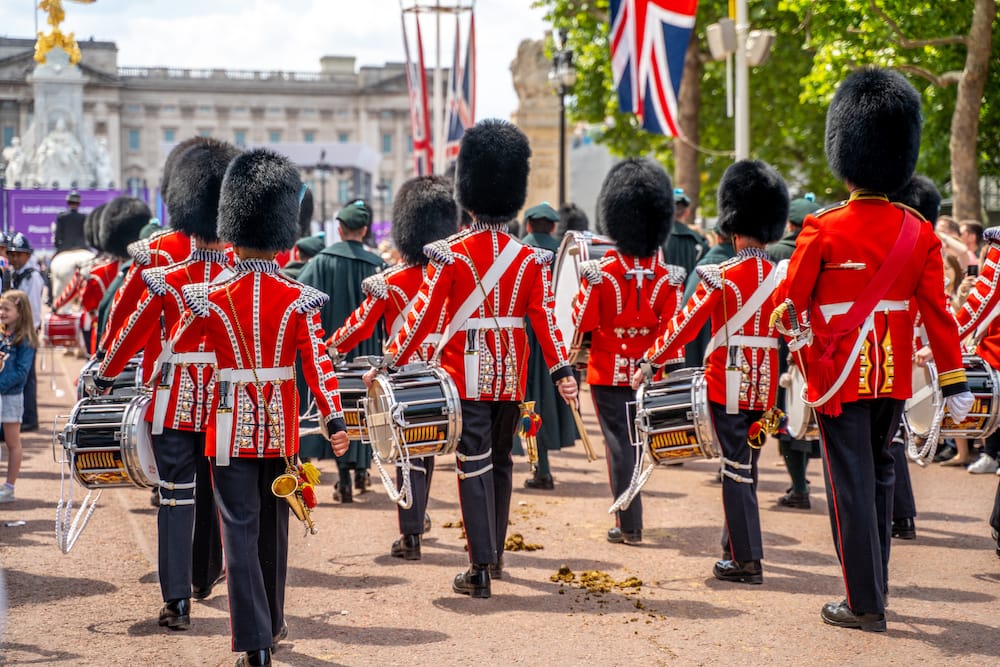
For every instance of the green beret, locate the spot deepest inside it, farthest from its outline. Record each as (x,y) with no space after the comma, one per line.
(798,209)
(355,215)
(150,228)
(542,211)
(310,246)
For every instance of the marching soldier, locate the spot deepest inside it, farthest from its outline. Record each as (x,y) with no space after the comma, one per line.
(190,546)
(741,360)
(487,282)
(339,270)
(424,212)
(255,323)
(626,299)
(97,280)
(855,268)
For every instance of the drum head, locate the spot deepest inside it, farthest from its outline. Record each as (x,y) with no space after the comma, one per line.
(566,277)
(144,448)
(921,408)
(378,419)
(800,415)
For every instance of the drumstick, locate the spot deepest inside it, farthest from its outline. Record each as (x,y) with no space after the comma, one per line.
(591,455)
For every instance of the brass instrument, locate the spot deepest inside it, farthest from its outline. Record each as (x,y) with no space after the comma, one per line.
(527,430)
(286,485)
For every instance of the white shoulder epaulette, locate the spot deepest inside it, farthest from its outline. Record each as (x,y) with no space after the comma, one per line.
(711,274)
(310,299)
(591,270)
(375,286)
(196,298)
(676,275)
(139,252)
(991,234)
(440,251)
(155,280)
(543,256)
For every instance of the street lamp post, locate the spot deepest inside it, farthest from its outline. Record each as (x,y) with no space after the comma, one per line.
(323,169)
(562,76)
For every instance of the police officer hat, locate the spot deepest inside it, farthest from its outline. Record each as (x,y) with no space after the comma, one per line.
(19,243)
(753,201)
(259,202)
(424,211)
(121,221)
(73,197)
(195,180)
(492,171)
(636,205)
(873,130)
(922,195)
(355,215)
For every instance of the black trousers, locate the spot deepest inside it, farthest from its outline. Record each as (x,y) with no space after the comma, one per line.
(612,414)
(485,475)
(860,476)
(741,532)
(30,416)
(411,521)
(207,560)
(903,504)
(255,536)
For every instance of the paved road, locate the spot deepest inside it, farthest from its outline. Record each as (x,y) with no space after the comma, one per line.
(349,603)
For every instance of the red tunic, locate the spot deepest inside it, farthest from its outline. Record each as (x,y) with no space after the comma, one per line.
(723,290)
(487,357)
(191,378)
(159,250)
(256,323)
(836,256)
(101,276)
(626,302)
(390,294)
(982,304)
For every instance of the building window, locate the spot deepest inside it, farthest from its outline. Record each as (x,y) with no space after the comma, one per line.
(344,190)
(274,136)
(275,111)
(169,108)
(169,135)
(133,140)
(133,108)
(240,138)
(310,112)
(8,134)
(409,145)
(343,137)
(241,111)
(386,143)
(204,109)
(204,132)
(309,136)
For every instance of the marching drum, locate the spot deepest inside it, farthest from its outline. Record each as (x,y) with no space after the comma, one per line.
(351,383)
(108,443)
(576,247)
(412,413)
(672,418)
(802,424)
(925,410)
(63,330)
(128,382)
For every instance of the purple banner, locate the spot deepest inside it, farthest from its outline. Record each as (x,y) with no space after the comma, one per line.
(33,212)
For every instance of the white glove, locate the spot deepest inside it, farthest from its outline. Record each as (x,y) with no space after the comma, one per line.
(959,405)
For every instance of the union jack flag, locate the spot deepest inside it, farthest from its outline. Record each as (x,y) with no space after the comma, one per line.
(420,121)
(648,41)
(461,98)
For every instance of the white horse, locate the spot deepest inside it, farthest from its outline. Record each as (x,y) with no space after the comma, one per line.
(64,265)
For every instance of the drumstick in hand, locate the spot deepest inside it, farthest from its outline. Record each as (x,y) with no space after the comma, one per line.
(584,437)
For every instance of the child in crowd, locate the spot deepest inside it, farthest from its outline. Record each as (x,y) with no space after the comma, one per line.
(17,350)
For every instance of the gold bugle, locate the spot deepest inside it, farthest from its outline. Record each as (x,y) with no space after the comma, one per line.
(286,486)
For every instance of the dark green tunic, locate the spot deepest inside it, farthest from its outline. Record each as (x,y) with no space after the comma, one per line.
(339,271)
(684,247)
(558,429)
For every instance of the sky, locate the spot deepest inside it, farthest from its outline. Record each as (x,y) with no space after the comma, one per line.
(288,35)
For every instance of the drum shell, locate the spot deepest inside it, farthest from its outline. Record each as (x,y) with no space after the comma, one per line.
(352,388)
(576,247)
(128,382)
(63,330)
(802,424)
(673,420)
(927,403)
(109,444)
(419,408)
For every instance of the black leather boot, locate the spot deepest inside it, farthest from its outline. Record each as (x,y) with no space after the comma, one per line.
(407,547)
(176,614)
(342,491)
(474,582)
(254,658)
(744,572)
(840,615)
(496,569)
(904,529)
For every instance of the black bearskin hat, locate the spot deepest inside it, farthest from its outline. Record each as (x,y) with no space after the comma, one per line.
(636,205)
(424,211)
(92,227)
(492,171)
(873,130)
(753,201)
(259,203)
(306,215)
(172,156)
(195,180)
(921,195)
(120,224)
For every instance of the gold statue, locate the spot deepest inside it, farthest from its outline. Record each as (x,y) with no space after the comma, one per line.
(56,38)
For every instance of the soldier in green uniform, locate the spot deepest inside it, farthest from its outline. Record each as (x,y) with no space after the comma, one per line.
(684,246)
(558,429)
(339,271)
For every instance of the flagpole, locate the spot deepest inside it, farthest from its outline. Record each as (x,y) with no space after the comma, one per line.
(438,101)
(742,121)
